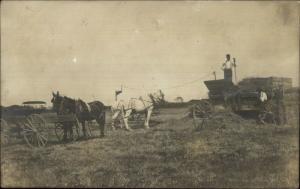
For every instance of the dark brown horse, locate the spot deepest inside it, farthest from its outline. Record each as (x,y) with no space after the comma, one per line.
(84,111)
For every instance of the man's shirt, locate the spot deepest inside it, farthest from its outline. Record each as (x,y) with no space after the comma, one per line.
(263,96)
(227,65)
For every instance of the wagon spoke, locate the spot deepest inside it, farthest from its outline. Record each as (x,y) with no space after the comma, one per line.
(29,126)
(38,140)
(42,136)
(44,141)
(27,130)
(35,139)
(29,119)
(41,139)
(89,132)
(31,139)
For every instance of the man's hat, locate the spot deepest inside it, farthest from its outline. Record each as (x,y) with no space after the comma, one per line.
(259,89)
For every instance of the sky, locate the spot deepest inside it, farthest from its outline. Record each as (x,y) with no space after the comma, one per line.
(89,49)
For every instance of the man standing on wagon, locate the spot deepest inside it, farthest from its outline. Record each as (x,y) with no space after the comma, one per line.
(227,67)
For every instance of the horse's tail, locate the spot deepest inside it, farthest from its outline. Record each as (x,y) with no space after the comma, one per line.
(99,105)
(100,108)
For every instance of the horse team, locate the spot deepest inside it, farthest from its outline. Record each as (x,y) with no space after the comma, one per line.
(96,111)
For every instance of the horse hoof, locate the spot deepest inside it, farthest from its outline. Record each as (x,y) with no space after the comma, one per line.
(147,127)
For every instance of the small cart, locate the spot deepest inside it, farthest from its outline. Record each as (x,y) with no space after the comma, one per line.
(36,128)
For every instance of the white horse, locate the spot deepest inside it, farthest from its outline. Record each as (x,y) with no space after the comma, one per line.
(138,105)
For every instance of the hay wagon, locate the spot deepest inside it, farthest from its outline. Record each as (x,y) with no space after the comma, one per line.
(243,97)
(35,128)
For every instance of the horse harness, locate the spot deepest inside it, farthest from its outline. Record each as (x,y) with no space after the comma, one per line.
(130,108)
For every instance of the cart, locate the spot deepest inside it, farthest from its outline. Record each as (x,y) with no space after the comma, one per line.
(36,128)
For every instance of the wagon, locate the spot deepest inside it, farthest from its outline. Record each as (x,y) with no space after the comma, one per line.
(243,97)
(36,128)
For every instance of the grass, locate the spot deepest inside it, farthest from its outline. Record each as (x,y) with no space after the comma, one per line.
(228,152)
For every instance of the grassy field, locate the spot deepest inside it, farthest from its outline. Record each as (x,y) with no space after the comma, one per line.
(228,152)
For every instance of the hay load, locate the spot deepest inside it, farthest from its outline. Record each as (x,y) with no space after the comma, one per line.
(244,96)
(267,83)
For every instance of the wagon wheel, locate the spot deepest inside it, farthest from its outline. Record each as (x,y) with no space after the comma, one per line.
(199,117)
(59,132)
(4,132)
(194,114)
(35,133)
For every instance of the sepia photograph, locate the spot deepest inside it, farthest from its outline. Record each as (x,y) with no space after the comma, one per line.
(149,94)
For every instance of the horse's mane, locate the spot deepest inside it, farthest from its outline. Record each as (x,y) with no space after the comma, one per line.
(83,104)
(69,99)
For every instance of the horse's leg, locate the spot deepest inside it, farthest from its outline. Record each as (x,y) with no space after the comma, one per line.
(68,130)
(83,129)
(101,122)
(125,118)
(101,125)
(71,130)
(149,112)
(19,130)
(65,127)
(115,115)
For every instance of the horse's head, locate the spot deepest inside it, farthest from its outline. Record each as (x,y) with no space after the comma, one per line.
(56,101)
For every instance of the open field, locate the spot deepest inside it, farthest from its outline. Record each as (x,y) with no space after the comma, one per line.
(228,152)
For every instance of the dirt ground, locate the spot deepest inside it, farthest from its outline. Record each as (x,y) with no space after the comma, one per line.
(228,151)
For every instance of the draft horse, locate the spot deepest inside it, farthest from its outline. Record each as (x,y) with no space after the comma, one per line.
(84,111)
